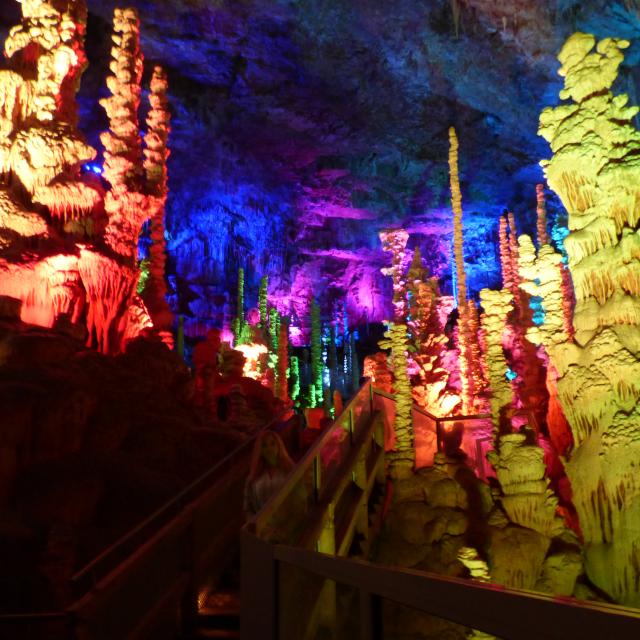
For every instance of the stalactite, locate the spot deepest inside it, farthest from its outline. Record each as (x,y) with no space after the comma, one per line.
(595,173)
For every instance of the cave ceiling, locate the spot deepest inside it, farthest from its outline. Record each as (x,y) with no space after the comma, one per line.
(303,127)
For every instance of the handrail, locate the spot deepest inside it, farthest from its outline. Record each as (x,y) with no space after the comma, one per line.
(88,576)
(307,460)
(510,614)
(428,414)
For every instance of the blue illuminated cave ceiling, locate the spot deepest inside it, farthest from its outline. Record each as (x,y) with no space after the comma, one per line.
(303,127)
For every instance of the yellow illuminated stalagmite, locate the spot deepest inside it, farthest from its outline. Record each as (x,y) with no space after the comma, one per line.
(595,169)
(472,382)
(496,305)
(403,457)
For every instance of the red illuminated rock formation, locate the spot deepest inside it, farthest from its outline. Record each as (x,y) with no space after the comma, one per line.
(56,255)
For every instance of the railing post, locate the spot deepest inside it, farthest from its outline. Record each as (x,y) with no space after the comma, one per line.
(351,425)
(317,478)
(370,616)
(371,401)
(259,586)
(189,605)
(439,435)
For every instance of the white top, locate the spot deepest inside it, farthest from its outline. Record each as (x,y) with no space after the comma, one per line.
(258,492)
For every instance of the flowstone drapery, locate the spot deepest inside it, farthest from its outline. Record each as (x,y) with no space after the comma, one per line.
(595,169)
(67,246)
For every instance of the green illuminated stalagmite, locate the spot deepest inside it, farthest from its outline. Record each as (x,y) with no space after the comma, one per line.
(316,356)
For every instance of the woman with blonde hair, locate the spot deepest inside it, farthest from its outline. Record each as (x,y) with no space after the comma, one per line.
(270,466)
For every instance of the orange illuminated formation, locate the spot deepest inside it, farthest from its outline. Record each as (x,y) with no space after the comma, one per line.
(68,244)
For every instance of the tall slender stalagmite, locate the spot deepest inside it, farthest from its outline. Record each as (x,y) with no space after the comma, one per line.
(595,171)
(156,153)
(125,203)
(470,368)
(541,220)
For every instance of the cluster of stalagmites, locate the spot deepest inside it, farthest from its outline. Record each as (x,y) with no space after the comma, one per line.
(68,244)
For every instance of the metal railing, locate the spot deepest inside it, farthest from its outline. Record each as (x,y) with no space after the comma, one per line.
(509,614)
(349,452)
(149,578)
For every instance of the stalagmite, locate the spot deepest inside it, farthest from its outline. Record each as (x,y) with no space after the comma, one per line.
(156,153)
(125,204)
(541,221)
(496,306)
(403,458)
(467,338)
(77,268)
(427,341)
(595,172)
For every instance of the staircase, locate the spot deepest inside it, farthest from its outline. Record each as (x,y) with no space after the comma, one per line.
(219,614)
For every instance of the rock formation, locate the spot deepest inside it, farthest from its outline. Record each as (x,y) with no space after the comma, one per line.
(403,457)
(471,379)
(595,171)
(156,152)
(496,305)
(67,247)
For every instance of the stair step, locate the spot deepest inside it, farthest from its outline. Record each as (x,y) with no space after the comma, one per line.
(218,620)
(222,634)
